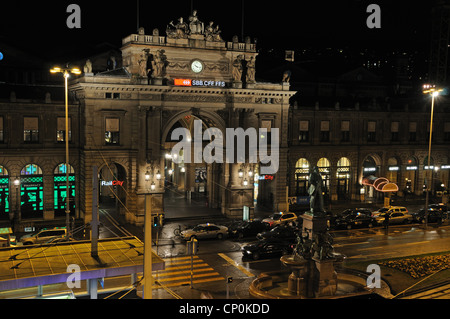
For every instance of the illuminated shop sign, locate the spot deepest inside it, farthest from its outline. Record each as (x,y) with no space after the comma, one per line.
(190,82)
(445,166)
(369,169)
(394,168)
(411,168)
(265,177)
(112,183)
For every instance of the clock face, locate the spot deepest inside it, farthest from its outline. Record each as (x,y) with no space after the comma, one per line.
(197,66)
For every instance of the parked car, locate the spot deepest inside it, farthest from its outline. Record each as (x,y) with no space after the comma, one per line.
(332,221)
(441,207)
(355,220)
(205,231)
(248,228)
(434,215)
(282,232)
(280,218)
(395,218)
(266,248)
(390,210)
(43,236)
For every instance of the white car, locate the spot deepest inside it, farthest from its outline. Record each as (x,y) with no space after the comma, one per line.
(43,236)
(205,231)
(280,218)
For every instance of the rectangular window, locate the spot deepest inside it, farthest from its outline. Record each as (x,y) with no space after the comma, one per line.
(447,131)
(267,124)
(345,131)
(31,129)
(394,131)
(412,131)
(112,132)
(371,133)
(324,131)
(303,131)
(61,129)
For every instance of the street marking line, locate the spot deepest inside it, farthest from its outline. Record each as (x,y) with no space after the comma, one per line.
(195,265)
(181,283)
(210,274)
(349,244)
(196,270)
(177,273)
(235,264)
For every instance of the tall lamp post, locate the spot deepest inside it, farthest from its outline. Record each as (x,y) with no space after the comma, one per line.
(66,72)
(433,91)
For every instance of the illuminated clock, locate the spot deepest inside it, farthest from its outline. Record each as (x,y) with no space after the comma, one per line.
(196,66)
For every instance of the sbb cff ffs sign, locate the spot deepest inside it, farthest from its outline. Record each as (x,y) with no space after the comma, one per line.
(206,83)
(182,82)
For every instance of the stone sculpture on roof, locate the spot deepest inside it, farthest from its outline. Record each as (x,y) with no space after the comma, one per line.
(182,30)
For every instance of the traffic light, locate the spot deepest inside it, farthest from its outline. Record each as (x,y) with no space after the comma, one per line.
(157,220)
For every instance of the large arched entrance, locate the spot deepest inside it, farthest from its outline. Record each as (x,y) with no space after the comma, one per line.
(192,186)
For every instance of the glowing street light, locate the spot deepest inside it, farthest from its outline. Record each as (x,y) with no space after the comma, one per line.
(433,91)
(66,72)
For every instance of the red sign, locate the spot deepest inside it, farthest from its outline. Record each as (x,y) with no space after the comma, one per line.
(182,82)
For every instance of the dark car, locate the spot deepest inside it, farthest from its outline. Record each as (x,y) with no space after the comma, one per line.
(282,232)
(266,248)
(332,219)
(434,215)
(441,207)
(248,229)
(355,220)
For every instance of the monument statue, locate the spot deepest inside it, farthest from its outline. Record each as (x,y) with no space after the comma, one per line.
(159,64)
(180,30)
(88,66)
(212,33)
(143,71)
(237,69)
(195,25)
(315,192)
(322,247)
(303,246)
(250,70)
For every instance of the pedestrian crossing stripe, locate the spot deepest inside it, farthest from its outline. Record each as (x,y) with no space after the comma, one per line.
(177,272)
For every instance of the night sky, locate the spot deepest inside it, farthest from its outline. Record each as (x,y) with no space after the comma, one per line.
(40,26)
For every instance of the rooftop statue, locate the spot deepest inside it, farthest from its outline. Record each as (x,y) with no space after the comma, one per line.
(179,30)
(195,25)
(212,33)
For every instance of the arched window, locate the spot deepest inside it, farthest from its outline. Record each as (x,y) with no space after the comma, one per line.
(31,191)
(59,189)
(343,178)
(410,175)
(393,168)
(323,165)
(4,193)
(301,177)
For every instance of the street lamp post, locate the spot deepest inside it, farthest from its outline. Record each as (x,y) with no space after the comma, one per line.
(66,72)
(433,91)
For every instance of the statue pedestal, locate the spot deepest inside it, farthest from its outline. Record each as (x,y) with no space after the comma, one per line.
(157,81)
(324,278)
(314,224)
(322,274)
